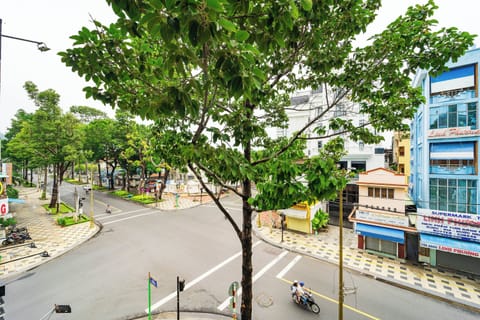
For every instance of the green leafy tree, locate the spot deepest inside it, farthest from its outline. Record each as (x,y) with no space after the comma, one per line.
(87,114)
(52,136)
(226,68)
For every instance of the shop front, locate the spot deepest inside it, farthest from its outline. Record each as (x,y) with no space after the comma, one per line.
(382,240)
(450,239)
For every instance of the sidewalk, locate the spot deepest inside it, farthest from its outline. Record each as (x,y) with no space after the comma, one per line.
(49,240)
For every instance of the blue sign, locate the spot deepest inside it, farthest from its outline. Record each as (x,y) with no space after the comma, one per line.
(153,282)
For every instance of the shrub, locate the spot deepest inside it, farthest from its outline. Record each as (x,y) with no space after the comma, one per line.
(12,192)
(61,221)
(320,220)
(8,222)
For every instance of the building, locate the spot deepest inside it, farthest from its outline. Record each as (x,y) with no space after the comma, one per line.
(444,180)
(307,105)
(401,153)
(380,220)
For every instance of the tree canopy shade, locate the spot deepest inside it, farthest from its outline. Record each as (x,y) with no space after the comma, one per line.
(225,70)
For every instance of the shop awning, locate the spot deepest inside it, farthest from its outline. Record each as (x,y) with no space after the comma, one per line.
(466,248)
(380,233)
(293,213)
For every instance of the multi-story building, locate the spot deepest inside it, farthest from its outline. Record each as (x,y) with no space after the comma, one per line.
(382,222)
(307,105)
(445,179)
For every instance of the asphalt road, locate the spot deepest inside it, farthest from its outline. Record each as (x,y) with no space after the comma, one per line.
(107,277)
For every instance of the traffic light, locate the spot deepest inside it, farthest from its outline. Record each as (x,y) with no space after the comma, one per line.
(181,284)
(63,308)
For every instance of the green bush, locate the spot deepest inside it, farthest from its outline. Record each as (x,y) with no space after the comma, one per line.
(12,192)
(69,221)
(8,222)
(61,221)
(320,220)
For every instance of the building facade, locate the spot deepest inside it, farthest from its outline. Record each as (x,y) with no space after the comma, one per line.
(445,179)
(380,220)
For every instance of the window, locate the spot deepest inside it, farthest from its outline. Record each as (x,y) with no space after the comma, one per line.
(370,191)
(384,193)
(456,195)
(401,151)
(454,115)
(379,150)
(361,146)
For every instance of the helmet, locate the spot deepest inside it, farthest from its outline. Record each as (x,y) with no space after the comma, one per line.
(301,283)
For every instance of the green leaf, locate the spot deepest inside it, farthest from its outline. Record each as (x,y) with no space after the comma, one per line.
(242,35)
(228,25)
(293,10)
(215,5)
(307,5)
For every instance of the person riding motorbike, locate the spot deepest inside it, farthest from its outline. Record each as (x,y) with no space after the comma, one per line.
(294,288)
(300,293)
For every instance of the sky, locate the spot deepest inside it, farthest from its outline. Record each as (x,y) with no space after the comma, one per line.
(54,21)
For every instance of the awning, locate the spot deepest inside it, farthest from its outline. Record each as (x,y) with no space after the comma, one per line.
(471,249)
(380,233)
(298,214)
(452,150)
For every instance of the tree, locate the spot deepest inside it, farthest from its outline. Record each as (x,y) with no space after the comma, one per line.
(87,114)
(226,68)
(52,136)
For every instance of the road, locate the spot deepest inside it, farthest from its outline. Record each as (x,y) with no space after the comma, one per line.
(107,277)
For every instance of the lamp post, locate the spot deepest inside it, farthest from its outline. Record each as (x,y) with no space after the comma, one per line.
(40,45)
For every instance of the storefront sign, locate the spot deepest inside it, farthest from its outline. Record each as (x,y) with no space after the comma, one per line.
(391,219)
(470,249)
(3,207)
(457,225)
(453,132)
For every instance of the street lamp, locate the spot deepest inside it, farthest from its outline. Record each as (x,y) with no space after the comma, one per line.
(40,45)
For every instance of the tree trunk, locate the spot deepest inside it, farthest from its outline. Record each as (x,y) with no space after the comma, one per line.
(246,237)
(53,200)
(247,268)
(99,175)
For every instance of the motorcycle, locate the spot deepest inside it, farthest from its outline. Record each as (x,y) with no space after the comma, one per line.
(307,301)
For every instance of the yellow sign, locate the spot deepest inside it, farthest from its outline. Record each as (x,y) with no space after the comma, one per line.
(1,188)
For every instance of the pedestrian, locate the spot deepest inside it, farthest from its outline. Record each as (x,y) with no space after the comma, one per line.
(108,210)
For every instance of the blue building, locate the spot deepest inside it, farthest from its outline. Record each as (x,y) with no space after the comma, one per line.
(445,178)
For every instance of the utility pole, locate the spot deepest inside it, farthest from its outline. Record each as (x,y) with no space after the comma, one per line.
(340,258)
(91,200)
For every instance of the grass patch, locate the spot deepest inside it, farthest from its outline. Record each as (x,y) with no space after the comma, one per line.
(71,220)
(64,208)
(141,198)
(120,193)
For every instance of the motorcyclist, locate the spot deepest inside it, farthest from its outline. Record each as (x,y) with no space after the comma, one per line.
(300,292)
(294,289)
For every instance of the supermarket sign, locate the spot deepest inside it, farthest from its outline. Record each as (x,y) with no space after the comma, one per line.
(4,208)
(463,226)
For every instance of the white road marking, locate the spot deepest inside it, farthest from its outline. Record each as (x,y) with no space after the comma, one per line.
(131,217)
(113,215)
(255,278)
(228,208)
(288,267)
(190,284)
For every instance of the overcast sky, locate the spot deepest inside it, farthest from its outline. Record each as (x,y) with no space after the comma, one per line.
(54,21)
